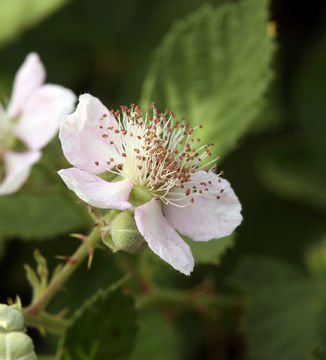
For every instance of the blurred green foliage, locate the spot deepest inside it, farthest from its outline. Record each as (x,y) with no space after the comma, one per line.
(17,16)
(213,63)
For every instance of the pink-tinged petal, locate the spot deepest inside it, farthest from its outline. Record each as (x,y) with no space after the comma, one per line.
(160,236)
(42,113)
(17,167)
(82,138)
(96,191)
(28,78)
(214,214)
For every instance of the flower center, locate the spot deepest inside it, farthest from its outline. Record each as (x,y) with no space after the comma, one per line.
(156,152)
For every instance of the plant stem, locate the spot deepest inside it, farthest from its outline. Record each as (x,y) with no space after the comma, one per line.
(187,300)
(72,264)
(47,321)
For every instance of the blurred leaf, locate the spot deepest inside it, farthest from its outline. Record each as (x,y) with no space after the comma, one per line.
(295,168)
(315,259)
(210,252)
(104,327)
(253,273)
(282,317)
(214,67)
(308,89)
(156,339)
(18,15)
(2,245)
(282,320)
(36,215)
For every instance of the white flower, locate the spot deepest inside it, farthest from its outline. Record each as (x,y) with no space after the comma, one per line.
(32,117)
(155,154)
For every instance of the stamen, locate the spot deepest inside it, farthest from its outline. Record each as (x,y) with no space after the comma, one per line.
(157,152)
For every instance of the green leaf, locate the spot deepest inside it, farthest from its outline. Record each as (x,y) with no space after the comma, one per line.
(156,340)
(283,314)
(104,328)
(295,169)
(36,215)
(17,15)
(210,252)
(214,67)
(282,320)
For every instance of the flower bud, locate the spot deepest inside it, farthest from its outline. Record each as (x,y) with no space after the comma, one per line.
(16,346)
(124,234)
(10,319)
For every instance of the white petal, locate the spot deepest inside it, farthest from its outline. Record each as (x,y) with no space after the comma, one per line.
(42,113)
(81,136)
(208,217)
(96,191)
(28,78)
(17,167)
(162,238)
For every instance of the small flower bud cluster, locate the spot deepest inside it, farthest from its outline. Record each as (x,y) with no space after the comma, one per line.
(14,343)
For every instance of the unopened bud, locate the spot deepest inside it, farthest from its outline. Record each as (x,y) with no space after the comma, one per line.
(10,319)
(124,234)
(16,346)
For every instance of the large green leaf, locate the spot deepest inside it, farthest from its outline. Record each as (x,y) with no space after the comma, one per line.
(104,328)
(18,15)
(214,67)
(156,340)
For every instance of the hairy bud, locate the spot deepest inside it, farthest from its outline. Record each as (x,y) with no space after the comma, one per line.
(124,234)
(10,319)
(16,346)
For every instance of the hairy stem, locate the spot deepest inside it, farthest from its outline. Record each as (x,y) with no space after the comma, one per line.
(64,274)
(46,321)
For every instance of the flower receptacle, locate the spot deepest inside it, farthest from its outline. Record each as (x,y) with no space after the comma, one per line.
(139,195)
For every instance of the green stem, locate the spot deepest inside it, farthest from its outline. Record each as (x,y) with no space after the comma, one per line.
(187,299)
(47,321)
(64,274)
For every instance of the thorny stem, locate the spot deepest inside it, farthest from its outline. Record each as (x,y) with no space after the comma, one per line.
(46,321)
(57,282)
(187,300)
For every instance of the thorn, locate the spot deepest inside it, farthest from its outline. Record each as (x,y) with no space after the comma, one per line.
(62,313)
(90,258)
(81,237)
(41,331)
